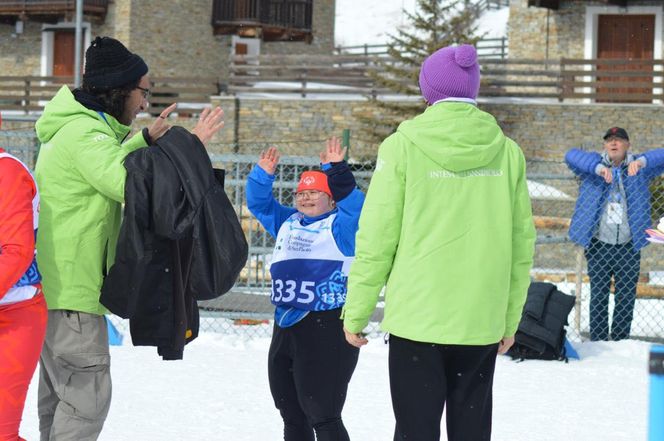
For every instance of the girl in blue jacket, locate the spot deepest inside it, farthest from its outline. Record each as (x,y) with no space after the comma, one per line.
(309,361)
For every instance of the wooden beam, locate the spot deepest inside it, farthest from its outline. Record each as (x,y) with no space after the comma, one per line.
(549,4)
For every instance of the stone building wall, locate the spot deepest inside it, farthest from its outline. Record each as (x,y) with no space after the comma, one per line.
(20,54)
(175,38)
(544,131)
(528,32)
(297,127)
(117,23)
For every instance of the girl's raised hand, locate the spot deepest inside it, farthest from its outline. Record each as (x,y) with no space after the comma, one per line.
(333,151)
(268,160)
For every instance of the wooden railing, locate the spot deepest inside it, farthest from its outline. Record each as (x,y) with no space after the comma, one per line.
(350,74)
(191,93)
(31,93)
(28,93)
(561,80)
(520,78)
(50,7)
(569,80)
(492,4)
(612,80)
(296,74)
(486,48)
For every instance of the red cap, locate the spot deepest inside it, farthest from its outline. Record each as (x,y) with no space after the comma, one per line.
(313,180)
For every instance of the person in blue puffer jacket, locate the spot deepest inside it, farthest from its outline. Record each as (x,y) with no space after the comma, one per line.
(309,362)
(610,218)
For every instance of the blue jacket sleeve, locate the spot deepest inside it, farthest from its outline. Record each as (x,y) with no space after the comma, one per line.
(349,201)
(262,204)
(340,179)
(582,163)
(345,225)
(655,163)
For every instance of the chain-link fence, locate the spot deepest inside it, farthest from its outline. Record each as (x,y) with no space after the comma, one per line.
(20,140)
(618,283)
(592,273)
(249,301)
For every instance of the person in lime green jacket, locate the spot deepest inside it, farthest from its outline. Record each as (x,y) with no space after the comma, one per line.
(81,178)
(447,229)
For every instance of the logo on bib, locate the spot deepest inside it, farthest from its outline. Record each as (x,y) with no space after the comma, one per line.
(333,290)
(308,180)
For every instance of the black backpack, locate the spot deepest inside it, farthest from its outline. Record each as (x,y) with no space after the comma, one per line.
(541,332)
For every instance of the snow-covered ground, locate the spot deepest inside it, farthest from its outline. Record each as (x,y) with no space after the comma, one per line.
(220,392)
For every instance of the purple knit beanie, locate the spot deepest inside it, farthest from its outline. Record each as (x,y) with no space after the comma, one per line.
(452,71)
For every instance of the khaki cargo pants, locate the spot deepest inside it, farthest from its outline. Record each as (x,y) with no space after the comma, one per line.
(74,377)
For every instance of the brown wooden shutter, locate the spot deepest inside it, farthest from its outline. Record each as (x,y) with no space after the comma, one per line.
(63,53)
(627,37)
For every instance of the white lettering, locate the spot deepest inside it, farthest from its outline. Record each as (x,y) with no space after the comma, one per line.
(480,172)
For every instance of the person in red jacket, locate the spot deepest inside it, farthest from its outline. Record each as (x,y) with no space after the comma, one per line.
(22,306)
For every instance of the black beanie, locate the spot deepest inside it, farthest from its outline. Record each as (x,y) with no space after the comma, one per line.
(110,65)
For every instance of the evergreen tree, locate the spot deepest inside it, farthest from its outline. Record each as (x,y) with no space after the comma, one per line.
(435,24)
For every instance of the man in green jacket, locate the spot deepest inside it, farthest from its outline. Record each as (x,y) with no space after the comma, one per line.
(81,178)
(447,228)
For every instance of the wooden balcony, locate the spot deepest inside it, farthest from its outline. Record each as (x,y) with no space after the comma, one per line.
(49,11)
(273,20)
(555,4)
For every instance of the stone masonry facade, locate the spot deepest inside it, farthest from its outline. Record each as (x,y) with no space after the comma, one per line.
(20,54)
(528,30)
(175,38)
(544,131)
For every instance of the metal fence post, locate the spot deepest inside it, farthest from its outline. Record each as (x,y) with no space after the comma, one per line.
(345,142)
(579,288)
(656,417)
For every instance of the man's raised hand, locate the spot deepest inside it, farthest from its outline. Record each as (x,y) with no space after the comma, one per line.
(209,123)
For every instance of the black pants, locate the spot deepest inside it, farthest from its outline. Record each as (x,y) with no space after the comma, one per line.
(309,367)
(424,377)
(623,263)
